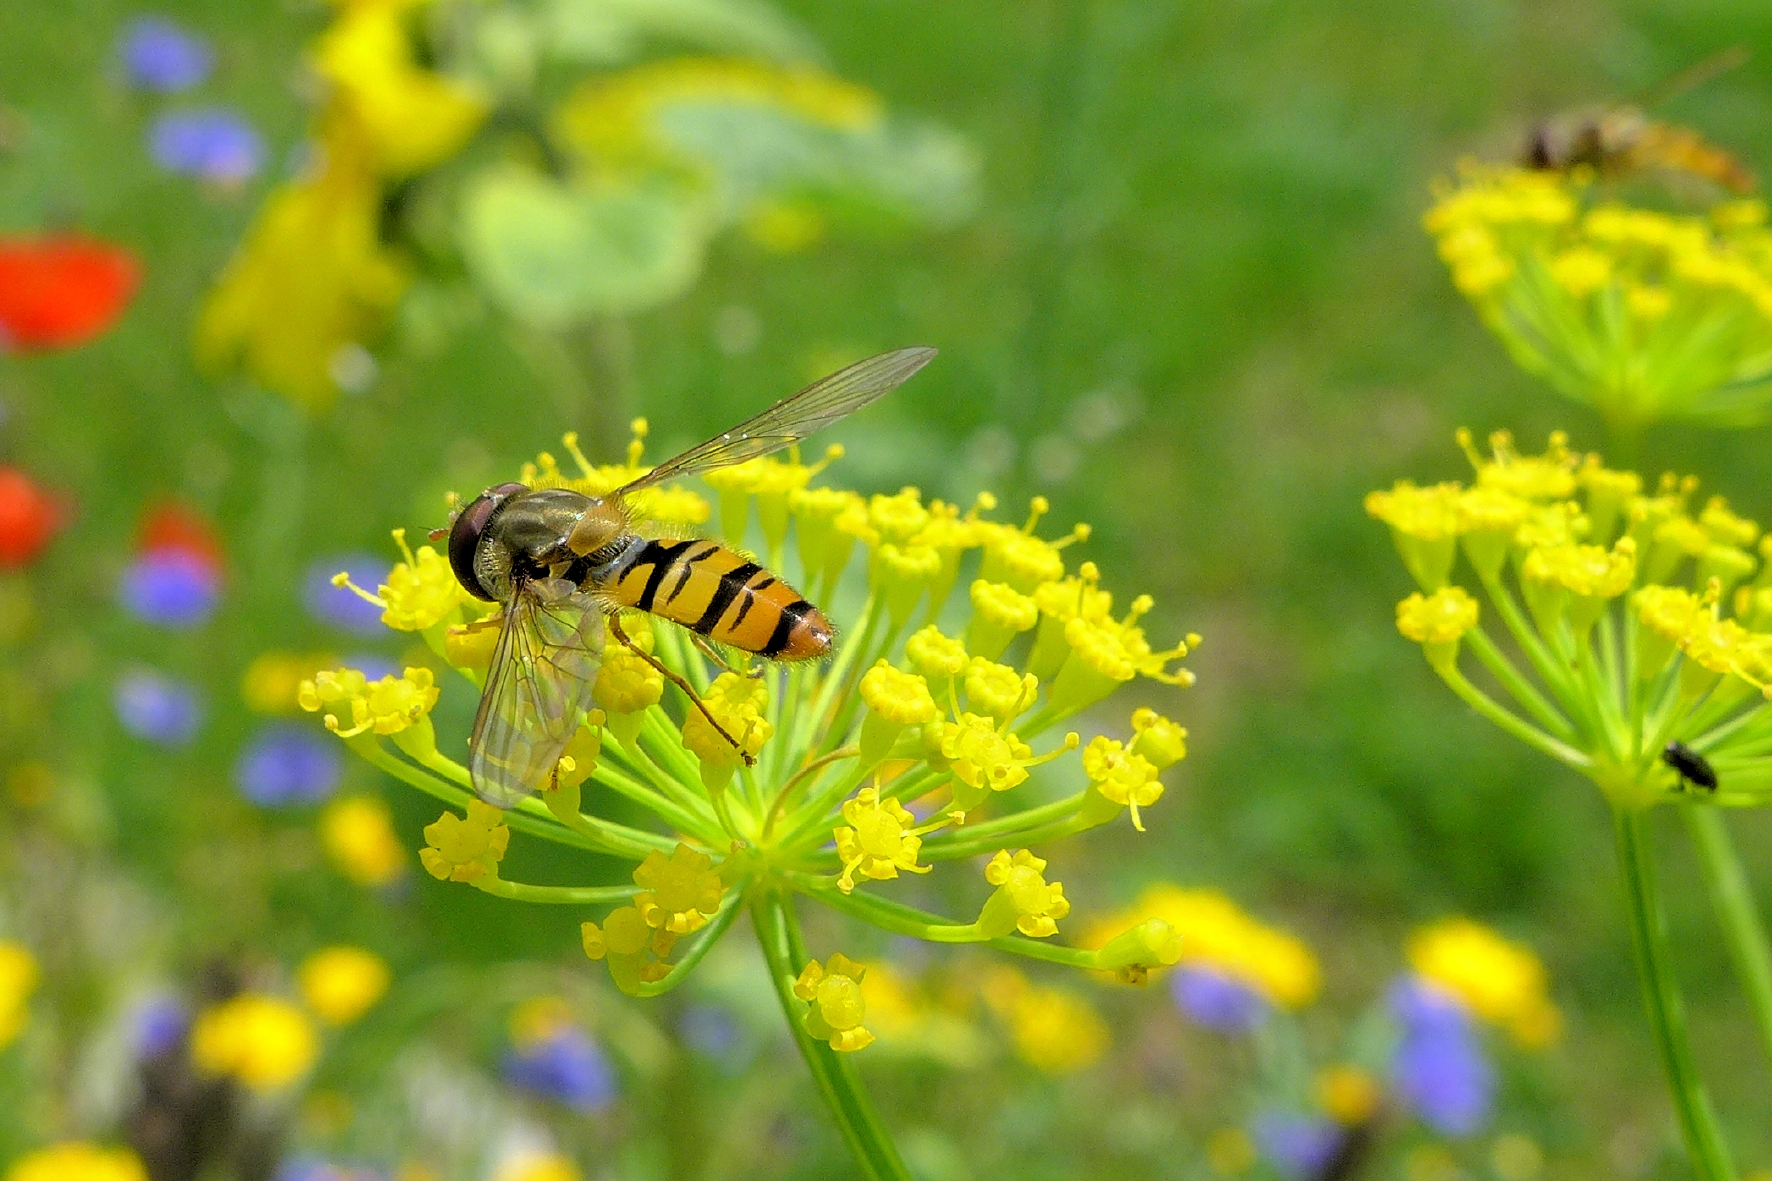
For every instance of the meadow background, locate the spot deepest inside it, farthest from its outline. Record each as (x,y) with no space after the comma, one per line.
(1194,307)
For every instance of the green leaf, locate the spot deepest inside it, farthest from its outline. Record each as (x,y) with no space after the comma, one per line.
(554,254)
(610,32)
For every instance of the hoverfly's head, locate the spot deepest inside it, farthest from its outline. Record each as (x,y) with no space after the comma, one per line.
(466,533)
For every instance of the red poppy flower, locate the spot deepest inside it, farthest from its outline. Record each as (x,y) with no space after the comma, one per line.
(29,517)
(61,290)
(175,526)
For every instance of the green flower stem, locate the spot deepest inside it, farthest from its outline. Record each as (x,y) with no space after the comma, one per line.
(705,940)
(816,813)
(836,1078)
(1733,898)
(1520,728)
(1496,661)
(920,924)
(557,895)
(966,843)
(1661,996)
(1550,670)
(531,815)
(1006,827)
(873,614)
(661,734)
(662,794)
(785,796)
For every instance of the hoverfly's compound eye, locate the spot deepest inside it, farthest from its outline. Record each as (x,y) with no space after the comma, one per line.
(464,535)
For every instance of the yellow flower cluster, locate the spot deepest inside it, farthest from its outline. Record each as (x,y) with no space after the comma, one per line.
(1588,569)
(904,720)
(18,979)
(1644,314)
(1217,933)
(1501,981)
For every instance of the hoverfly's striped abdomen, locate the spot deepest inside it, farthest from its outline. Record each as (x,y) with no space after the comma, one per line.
(724,596)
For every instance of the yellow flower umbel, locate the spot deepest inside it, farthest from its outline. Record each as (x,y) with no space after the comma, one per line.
(341,983)
(1643,314)
(1636,616)
(937,732)
(74,1161)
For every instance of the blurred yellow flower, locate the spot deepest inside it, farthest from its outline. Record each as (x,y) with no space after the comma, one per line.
(272,680)
(535,1167)
(263,1041)
(1216,932)
(341,983)
(75,1161)
(1054,1030)
(1501,981)
(358,835)
(18,979)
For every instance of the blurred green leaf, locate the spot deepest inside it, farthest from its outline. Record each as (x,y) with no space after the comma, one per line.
(552,253)
(608,32)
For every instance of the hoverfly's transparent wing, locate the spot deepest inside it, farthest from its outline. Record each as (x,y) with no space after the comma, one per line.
(537,691)
(794,417)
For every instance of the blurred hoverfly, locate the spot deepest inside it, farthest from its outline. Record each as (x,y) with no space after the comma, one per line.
(1621,139)
(564,565)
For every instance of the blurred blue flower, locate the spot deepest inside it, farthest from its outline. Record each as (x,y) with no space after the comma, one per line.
(158,708)
(567,1066)
(212,144)
(336,605)
(710,1030)
(1217,1001)
(373,667)
(1439,1068)
(287,764)
(158,1026)
(171,587)
(158,55)
(1296,1145)
(314,1168)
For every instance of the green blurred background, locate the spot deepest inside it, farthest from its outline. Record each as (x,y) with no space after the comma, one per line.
(1195,308)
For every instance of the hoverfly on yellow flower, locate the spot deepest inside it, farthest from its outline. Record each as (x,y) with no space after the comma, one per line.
(564,565)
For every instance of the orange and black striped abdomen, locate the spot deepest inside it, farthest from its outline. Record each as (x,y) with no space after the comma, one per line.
(724,596)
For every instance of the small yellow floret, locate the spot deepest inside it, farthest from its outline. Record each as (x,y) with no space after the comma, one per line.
(936,656)
(899,697)
(1023,900)
(738,703)
(461,849)
(1121,776)
(1440,618)
(681,891)
(879,840)
(833,990)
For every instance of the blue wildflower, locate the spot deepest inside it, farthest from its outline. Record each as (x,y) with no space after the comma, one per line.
(566,1066)
(1296,1145)
(159,55)
(1216,1000)
(158,1026)
(1439,1068)
(314,1168)
(171,587)
(158,708)
(285,765)
(338,606)
(211,144)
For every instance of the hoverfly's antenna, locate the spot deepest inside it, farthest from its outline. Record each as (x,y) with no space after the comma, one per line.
(453,500)
(1695,75)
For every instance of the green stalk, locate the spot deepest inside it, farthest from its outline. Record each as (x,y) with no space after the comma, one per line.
(849,1103)
(1661,996)
(1733,898)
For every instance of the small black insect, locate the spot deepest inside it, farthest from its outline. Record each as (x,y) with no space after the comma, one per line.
(1690,765)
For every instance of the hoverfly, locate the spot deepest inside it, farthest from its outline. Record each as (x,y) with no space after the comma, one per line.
(1622,139)
(564,565)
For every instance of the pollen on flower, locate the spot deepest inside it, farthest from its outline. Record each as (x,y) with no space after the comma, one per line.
(461,849)
(999,614)
(938,658)
(1121,776)
(1428,514)
(420,593)
(880,839)
(1587,570)
(1157,739)
(680,892)
(627,683)
(837,1008)
(1023,900)
(900,697)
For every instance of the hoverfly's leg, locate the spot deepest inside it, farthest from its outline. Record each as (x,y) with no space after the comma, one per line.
(475,625)
(713,654)
(622,637)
